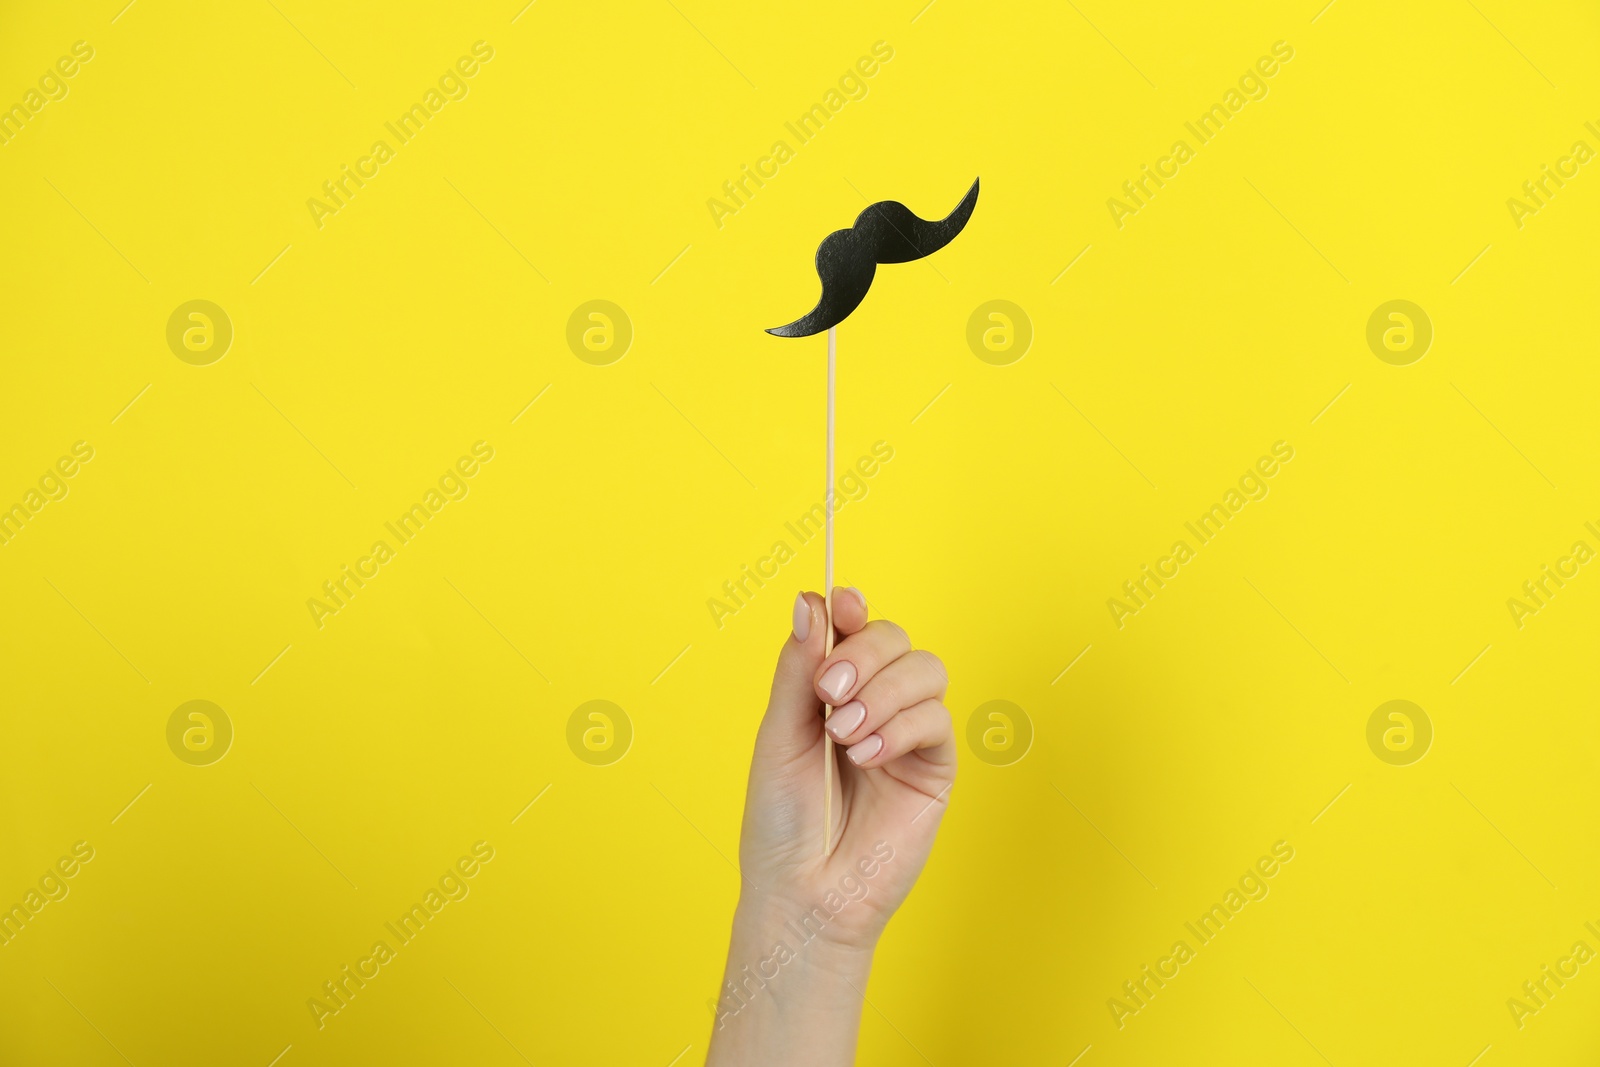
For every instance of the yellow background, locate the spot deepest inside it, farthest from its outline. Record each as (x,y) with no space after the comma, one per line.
(425,716)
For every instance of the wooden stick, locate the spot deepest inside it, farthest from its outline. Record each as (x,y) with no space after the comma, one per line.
(827,641)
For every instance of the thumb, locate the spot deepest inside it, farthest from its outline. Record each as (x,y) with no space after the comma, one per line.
(793,722)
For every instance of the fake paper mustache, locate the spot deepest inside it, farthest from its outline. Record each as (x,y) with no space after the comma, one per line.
(886,232)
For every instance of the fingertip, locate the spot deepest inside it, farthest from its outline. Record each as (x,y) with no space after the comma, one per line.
(819,608)
(863,752)
(849,609)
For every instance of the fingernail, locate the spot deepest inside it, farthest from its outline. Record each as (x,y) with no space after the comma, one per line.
(862,751)
(837,680)
(844,721)
(802,618)
(859,595)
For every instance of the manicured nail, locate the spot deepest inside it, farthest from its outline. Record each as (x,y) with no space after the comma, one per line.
(846,720)
(862,751)
(837,680)
(802,618)
(859,596)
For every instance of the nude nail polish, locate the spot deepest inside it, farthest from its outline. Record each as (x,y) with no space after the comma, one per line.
(802,618)
(862,751)
(837,680)
(846,720)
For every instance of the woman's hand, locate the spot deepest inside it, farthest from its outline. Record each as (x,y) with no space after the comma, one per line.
(807,922)
(890,785)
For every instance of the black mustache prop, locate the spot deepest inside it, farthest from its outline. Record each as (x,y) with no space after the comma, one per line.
(886,232)
(847,260)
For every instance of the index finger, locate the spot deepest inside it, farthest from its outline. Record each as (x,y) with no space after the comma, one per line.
(849,610)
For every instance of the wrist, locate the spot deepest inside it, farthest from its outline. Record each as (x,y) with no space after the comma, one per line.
(786,977)
(783,950)
(838,941)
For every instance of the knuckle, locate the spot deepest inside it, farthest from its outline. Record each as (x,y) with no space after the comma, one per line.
(888,633)
(896,734)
